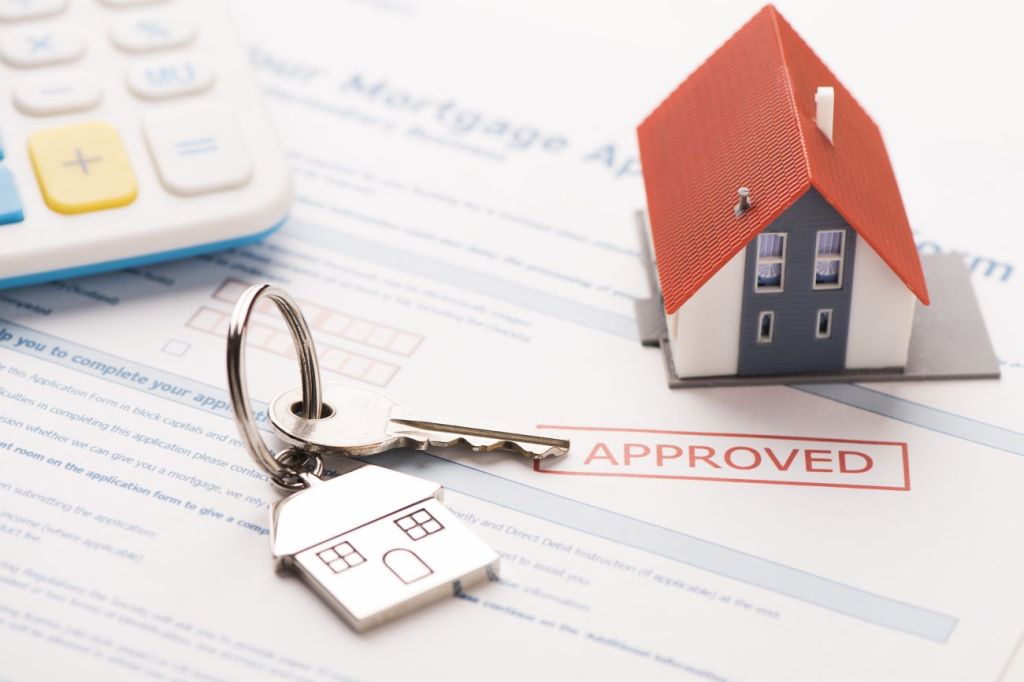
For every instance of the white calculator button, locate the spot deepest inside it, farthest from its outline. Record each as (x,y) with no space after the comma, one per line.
(170,77)
(17,10)
(41,45)
(198,149)
(56,94)
(143,33)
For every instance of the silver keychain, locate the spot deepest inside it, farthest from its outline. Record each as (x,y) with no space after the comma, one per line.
(373,543)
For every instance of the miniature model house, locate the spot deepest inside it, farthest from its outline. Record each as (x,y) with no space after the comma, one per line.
(374,543)
(780,239)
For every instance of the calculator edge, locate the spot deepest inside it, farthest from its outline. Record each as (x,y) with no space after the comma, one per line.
(136,261)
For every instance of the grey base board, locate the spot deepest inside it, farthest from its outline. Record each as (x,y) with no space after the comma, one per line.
(948,339)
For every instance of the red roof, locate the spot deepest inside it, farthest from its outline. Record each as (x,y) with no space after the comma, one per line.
(746,118)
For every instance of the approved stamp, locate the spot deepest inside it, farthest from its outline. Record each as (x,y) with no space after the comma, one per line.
(732,458)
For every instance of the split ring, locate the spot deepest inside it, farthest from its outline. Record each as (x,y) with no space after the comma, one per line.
(282,468)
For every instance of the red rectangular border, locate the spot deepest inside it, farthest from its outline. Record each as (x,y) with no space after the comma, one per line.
(902,445)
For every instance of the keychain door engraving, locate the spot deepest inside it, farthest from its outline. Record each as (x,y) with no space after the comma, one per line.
(375,543)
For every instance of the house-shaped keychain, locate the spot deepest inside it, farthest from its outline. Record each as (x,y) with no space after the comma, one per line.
(781,247)
(376,543)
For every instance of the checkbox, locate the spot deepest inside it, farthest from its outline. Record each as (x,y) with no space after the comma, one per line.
(356,366)
(259,334)
(206,319)
(404,343)
(379,374)
(231,290)
(334,359)
(176,348)
(358,330)
(381,337)
(336,323)
(281,343)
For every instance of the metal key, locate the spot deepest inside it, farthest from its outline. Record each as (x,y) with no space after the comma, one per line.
(361,421)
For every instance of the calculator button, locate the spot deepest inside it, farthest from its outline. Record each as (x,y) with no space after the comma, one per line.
(170,77)
(17,10)
(41,45)
(152,32)
(197,150)
(10,204)
(56,95)
(82,167)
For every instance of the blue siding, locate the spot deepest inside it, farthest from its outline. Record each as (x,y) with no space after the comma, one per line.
(794,347)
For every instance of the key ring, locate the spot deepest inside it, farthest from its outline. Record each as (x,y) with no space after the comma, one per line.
(286,468)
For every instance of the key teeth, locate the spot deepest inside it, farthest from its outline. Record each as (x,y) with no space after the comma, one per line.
(536,451)
(420,439)
(419,433)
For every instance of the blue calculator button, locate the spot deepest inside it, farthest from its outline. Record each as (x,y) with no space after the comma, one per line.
(10,204)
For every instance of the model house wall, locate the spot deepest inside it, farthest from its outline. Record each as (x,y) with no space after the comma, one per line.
(800,323)
(881,314)
(705,331)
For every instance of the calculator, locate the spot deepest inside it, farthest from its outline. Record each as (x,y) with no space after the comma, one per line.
(131,131)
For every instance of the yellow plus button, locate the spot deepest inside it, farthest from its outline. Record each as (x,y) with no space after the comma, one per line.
(82,167)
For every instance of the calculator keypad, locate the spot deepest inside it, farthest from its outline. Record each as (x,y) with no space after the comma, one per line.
(129,133)
(85,167)
(41,46)
(82,167)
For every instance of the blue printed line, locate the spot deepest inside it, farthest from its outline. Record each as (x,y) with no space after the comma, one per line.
(469,279)
(553,508)
(926,417)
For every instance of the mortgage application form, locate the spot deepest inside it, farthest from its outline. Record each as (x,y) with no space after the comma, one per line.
(463,238)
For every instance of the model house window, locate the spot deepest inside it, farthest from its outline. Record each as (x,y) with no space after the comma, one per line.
(771,261)
(828,261)
(765,327)
(824,328)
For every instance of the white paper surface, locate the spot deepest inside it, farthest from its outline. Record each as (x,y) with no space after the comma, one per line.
(462,238)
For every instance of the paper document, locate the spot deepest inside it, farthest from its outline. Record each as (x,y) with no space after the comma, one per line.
(463,238)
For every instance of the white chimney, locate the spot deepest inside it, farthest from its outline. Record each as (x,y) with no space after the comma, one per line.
(825,99)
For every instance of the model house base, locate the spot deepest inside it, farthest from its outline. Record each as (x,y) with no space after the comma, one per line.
(948,339)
